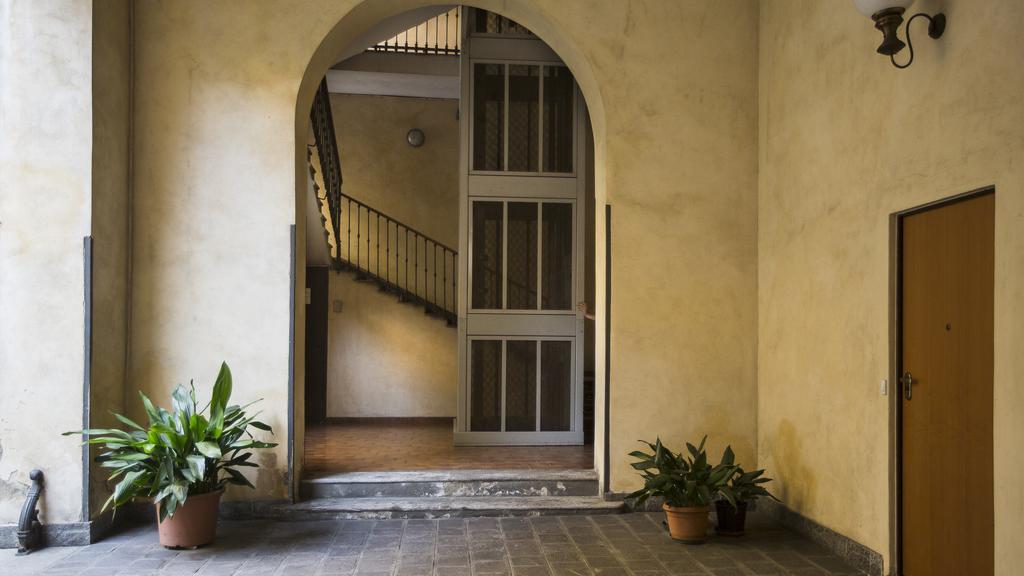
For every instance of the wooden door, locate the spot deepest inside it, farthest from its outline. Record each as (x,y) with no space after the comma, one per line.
(317,283)
(947,357)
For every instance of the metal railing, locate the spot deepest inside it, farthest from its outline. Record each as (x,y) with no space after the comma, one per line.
(438,35)
(399,258)
(327,150)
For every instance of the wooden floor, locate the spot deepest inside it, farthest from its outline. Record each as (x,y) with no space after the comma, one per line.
(376,446)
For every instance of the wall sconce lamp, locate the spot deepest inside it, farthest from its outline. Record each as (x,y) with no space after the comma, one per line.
(888,15)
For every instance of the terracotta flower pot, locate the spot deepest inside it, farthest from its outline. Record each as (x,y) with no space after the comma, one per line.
(194,524)
(731,521)
(689,525)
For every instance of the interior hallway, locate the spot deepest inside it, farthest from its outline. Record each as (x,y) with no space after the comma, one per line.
(395,445)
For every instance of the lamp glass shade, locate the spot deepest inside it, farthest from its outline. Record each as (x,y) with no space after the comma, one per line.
(871,7)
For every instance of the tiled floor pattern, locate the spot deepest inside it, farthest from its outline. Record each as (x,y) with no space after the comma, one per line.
(628,544)
(376,447)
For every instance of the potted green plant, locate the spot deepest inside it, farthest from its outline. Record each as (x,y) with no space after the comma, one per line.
(742,488)
(687,483)
(182,460)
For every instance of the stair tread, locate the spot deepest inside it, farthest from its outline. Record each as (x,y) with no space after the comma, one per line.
(461,503)
(526,475)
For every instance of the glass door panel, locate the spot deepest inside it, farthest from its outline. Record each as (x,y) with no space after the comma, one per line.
(520,385)
(485,386)
(556,256)
(555,385)
(488,242)
(522,256)
(489,117)
(523,118)
(505,250)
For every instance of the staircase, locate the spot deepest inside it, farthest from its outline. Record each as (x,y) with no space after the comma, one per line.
(449,494)
(419,270)
(371,245)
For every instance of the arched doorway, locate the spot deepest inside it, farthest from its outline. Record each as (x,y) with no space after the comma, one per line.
(358,28)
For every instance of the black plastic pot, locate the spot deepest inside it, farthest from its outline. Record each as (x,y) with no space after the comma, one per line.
(731,521)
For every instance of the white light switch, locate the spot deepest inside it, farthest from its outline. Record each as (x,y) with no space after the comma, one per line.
(883,387)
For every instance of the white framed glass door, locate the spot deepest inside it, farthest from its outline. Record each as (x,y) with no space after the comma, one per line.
(521,246)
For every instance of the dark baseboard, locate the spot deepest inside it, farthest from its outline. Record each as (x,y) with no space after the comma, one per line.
(67,533)
(854,553)
(253,510)
(145,512)
(651,505)
(385,420)
(142,512)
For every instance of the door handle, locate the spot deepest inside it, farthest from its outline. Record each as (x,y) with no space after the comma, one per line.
(908,383)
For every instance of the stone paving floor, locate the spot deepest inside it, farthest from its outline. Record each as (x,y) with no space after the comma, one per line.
(626,544)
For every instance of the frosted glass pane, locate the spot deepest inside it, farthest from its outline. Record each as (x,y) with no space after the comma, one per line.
(485,385)
(521,385)
(488,116)
(523,121)
(558,119)
(522,255)
(556,257)
(555,386)
(487,251)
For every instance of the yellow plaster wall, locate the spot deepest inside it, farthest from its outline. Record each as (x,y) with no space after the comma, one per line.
(45,165)
(675,125)
(846,140)
(214,200)
(386,358)
(681,161)
(418,186)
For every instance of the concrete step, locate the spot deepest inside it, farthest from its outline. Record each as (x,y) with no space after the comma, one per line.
(453,483)
(445,507)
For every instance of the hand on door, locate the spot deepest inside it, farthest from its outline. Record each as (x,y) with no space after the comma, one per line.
(582,307)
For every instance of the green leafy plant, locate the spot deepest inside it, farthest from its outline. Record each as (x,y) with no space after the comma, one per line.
(683,480)
(746,486)
(186,451)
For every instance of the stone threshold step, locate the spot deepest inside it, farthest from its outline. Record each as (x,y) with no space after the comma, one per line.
(453,476)
(449,507)
(445,483)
